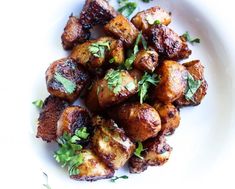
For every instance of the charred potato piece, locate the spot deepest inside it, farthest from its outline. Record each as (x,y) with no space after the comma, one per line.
(140,121)
(167,43)
(141,19)
(110,143)
(170,117)
(74,33)
(66,69)
(146,60)
(123,29)
(49,115)
(196,69)
(92,168)
(136,74)
(157,152)
(73,118)
(116,55)
(115,87)
(96,12)
(172,81)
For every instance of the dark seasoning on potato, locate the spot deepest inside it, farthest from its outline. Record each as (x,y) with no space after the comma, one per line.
(133,88)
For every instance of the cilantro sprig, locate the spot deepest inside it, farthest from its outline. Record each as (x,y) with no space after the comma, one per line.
(126,7)
(38,103)
(139,150)
(114,79)
(119,177)
(68,85)
(191,40)
(98,49)
(145,83)
(151,20)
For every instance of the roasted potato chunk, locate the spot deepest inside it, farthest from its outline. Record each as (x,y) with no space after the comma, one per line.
(167,43)
(172,81)
(49,115)
(170,117)
(123,29)
(110,143)
(146,60)
(196,69)
(96,12)
(74,33)
(116,55)
(66,70)
(136,74)
(92,168)
(73,118)
(157,152)
(116,87)
(141,20)
(140,121)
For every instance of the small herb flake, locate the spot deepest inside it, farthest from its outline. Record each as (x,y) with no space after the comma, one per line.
(98,49)
(130,86)
(139,150)
(38,103)
(151,20)
(118,177)
(146,1)
(188,38)
(68,85)
(114,79)
(47,186)
(127,8)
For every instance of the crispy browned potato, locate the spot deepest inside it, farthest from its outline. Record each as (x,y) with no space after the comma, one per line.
(67,69)
(72,118)
(167,43)
(110,143)
(140,121)
(146,60)
(123,29)
(156,153)
(49,115)
(115,87)
(96,12)
(141,20)
(92,168)
(116,55)
(136,74)
(170,117)
(196,69)
(74,33)
(172,81)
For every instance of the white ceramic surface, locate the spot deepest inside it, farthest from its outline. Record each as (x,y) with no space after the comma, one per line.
(202,145)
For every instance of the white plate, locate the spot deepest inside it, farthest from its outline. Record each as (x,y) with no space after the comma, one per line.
(200,145)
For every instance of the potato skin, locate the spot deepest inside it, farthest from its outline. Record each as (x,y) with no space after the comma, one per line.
(69,69)
(136,74)
(172,81)
(170,117)
(107,97)
(110,143)
(156,13)
(167,43)
(146,60)
(156,153)
(49,115)
(140,121)
(92,168)
(74,33)
(123,29)
(116,52)
(196,69)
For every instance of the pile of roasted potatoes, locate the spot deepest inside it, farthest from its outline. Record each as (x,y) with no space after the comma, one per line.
(133,87)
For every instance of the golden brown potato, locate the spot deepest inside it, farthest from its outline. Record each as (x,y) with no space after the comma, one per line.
(172,81)
(146,60)
(116,55)
(140,121)
(136,74)
(66,69)
(49,115)
(73,118)
(110,143)
(74,33)
(156,153)
(92,168)
(170,117)
(123,29)
(196,69)
(167,43)
(115,87)
(141,20)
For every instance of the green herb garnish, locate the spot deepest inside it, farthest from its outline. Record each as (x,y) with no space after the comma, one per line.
(151,21)
(47,186)
(192,87)
(38,103)
(188,38)
(98,49)
(68,85)
(145,83)
(130,86)
(139,150)
(127,8)
(114,79)
(129,61)
(116,178)
(146,1)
